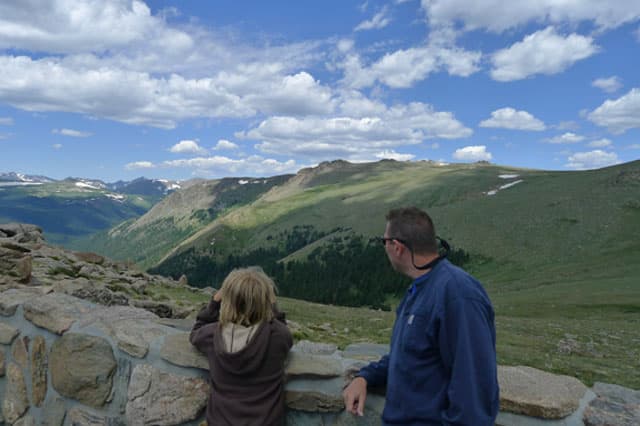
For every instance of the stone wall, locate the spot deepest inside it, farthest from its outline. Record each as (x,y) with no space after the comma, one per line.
(64,360)
(75,349)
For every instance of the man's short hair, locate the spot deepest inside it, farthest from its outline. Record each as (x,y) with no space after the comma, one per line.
(414,227)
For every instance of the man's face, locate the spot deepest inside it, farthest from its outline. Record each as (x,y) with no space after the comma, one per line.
(390,249)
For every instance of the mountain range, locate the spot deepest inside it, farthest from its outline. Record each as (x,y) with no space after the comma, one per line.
(74,207)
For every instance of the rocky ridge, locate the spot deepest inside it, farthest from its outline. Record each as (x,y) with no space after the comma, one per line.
(26,260)
(82,343)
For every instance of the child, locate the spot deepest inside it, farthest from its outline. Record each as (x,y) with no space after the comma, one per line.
(246,341)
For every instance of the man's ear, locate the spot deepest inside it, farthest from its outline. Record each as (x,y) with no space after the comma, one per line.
(399,248)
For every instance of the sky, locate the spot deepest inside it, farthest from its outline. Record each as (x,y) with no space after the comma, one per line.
(176,89)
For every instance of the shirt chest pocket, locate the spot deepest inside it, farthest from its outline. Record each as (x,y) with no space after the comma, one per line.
(419,334)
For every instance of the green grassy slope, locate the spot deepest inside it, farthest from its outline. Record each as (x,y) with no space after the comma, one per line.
(148,238)
(558,252)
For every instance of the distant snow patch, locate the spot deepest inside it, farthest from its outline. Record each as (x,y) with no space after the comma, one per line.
(19,183)
(508,176)
(505,186)
(243,182)
(86,185)
(116,197)
(510,184)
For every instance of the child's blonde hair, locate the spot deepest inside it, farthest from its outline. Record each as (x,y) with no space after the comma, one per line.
(247,297)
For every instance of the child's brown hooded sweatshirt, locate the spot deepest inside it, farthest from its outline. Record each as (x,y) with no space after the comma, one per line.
(247,386)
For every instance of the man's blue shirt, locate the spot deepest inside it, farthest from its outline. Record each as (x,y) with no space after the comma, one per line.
(441,368)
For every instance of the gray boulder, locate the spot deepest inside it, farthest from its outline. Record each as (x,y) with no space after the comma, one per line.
(82,368)
(156,397)
(16,401)
(614,405)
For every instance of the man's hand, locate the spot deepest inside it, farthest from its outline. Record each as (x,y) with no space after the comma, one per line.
(354,396)
(217,296)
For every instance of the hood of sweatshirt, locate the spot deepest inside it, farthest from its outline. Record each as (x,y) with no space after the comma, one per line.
(248,360)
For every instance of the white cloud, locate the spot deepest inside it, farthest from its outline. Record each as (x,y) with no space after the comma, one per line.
(472,153)
(619,115)
(609,85)
(187,147)
(297,94)
(500,15)
(600,143)
(130,97)
(140,98)
(112,59)
(71,132)
(592,160)
(6,121)
(57,146)
(74,25)
(543,52)
(354,104)
(392,155)
(139,165)
(356,138)
(345,45)
(379,20)
(225,144)
(635,146)
(564,138)
(509,118)
(221,166)
(403,68)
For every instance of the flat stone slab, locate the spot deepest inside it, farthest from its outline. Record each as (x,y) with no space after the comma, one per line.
(16,401)
(315,348)
(574,419)
(179,351)
(365,351)
(11,299)
(533,392)
(306,364)
(614,405)
(317,396)
(56,312)
(156,397)
(7,333)
(38,370)
(132,329)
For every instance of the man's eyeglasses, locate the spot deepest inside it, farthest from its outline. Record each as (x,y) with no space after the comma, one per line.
(383,240)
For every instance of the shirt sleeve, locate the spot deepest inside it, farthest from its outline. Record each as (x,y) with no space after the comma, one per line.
(467,346)
(376,372)
(201,336)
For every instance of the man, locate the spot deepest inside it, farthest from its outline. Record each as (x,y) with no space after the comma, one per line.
(441,368)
